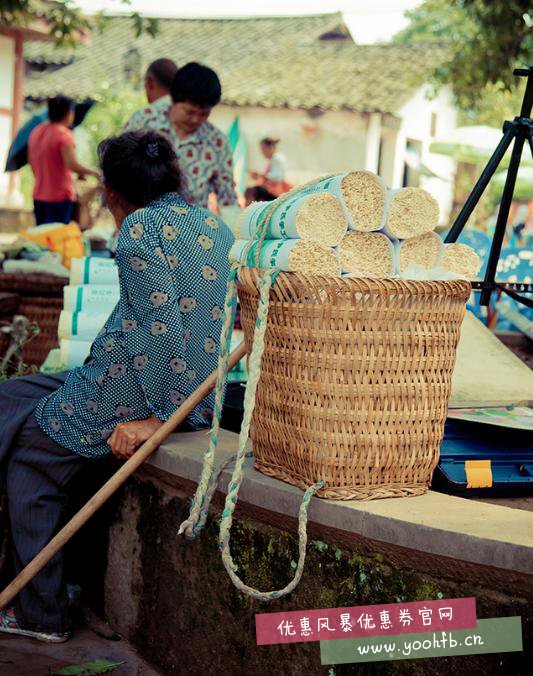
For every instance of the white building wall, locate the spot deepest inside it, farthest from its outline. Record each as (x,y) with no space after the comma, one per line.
(330,143)
(416,125)
(339,141)
(373,139)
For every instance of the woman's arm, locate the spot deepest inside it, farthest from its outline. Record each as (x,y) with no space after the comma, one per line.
(68,153)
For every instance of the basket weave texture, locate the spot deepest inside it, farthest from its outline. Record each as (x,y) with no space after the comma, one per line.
(355,380)
(41,301)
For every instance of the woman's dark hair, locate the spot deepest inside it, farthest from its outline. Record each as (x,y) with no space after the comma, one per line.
(196,84)
(139,165)
(58,107)
(163,71)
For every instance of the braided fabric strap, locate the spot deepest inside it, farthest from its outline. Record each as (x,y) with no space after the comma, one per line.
(302,545)
(211,491)
(254,372)
(208,480)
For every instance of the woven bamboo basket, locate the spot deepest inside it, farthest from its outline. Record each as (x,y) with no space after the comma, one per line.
(45,313)
(355,380)
(41,301)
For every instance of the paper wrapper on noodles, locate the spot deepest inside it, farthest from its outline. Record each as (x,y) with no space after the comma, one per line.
(315,217)
(95,297)
(410,212)
(367,254)
(74,352)
(93,270)
(425,251)
(80,325)
(360,195)
(461,260)
(289,255)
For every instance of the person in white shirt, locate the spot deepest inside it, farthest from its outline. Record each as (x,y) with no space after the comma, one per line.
(273,178)
(276,168)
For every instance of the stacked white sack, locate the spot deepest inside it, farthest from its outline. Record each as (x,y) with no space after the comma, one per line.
(90,297)
(74,352)
(80,325)
(289,255)
(93,270)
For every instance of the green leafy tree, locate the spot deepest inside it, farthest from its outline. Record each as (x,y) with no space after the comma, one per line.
(109,115)
(66,21)
(486,40)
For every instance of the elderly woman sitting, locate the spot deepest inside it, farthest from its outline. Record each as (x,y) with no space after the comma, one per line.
(158,345)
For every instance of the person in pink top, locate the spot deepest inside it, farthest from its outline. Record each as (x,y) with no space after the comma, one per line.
(52,156)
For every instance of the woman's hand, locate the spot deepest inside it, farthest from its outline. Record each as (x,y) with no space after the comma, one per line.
(128,436)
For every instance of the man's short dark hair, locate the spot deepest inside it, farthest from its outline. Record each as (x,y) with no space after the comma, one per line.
(257,193)
(196,84)
(58,107)
(163,71)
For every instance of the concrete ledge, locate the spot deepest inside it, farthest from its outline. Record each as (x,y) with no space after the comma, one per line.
(437,524)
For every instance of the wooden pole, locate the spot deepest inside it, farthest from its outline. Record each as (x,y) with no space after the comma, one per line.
(127,469)
(18,94)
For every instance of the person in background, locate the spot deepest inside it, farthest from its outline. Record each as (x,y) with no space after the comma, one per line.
(203,151)
(52,156)
(273,178)
(156,115)
(257,193)
(157,346)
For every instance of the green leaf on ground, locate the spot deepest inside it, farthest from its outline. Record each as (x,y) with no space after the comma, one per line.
(89,668)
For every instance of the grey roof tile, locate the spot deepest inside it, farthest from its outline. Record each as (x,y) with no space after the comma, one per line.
(270,62)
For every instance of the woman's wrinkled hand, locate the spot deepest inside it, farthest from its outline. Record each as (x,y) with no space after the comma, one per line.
(128,436)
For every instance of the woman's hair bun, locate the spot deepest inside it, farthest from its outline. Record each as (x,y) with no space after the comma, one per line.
(154,147)
(152,150)
(139,165)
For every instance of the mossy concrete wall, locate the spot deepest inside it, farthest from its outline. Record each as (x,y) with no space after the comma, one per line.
(172,597)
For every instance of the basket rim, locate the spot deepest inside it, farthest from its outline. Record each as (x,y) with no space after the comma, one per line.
(248,277)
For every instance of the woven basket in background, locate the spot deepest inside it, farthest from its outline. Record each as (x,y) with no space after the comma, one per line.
(41,301)
(355,380)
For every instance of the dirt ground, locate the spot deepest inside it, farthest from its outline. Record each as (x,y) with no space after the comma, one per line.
(27,657)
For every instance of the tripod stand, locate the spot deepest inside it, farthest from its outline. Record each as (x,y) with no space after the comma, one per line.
(519,130)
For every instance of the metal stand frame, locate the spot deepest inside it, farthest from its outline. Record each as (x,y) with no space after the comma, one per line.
(519,130)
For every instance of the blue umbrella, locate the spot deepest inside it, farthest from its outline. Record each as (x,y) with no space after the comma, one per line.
(18,152)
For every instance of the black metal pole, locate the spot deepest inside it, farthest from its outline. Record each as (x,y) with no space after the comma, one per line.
(501,222)
(482,182)
(527,101)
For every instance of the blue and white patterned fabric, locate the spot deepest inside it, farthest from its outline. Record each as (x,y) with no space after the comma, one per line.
(161,340)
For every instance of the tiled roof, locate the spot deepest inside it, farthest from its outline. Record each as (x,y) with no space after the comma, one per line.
(271,62)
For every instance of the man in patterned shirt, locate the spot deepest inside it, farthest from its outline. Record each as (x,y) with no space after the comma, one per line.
(203,151)
(156,115)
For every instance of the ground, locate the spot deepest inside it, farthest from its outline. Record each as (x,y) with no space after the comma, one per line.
(27,657)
